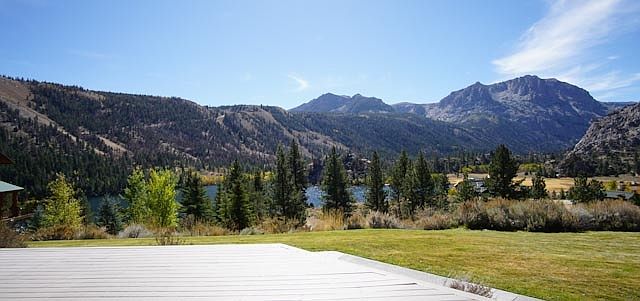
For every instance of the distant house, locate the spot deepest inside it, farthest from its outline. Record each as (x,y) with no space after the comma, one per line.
(618,195)
(8,191)
(478,184)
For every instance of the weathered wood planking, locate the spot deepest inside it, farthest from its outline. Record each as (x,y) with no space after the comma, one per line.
(216,272)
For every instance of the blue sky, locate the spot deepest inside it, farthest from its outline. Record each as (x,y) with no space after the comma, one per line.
(287,52)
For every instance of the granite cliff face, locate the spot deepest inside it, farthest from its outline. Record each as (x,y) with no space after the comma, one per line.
(616,134)
(527,109)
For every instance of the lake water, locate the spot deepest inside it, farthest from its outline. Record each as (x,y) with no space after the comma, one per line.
(314,196)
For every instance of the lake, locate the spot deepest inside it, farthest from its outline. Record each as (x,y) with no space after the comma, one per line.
(314,196)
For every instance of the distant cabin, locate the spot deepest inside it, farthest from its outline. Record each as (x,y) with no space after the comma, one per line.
(618,195)
(8,194)
(478,184)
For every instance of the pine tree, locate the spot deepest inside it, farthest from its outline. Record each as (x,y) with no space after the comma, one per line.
(109,216)
(586,191)
(538,187)
(235,211)
(408,193)
(502,170)
(296,165)
(424,185)
(398,175)
(281,187)
(195,201)
(335,185)
(136,195)
(441,184)
(298,183)
(376,196)
(466,191)
(63,207)
(257,196)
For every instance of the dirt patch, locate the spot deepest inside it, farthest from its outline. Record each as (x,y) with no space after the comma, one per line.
(115,146)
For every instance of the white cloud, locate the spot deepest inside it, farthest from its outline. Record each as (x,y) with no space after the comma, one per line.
(303,84)
(559,45)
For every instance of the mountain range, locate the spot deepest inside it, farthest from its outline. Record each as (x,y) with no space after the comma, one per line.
(529,113)
(57,122)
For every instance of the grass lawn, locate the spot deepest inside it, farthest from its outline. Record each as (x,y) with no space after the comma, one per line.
(552,266)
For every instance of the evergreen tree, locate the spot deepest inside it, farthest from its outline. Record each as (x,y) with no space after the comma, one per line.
(502,169)
(281,187)
(376,196)
(586,191)
(136,195)
(62,207)
(257,196)
(195,201)
(441,184)
(423,184)
(418,186)
(162,203)
(538,187)
(466,191)
(597,190)
(335,185)
(234,208)
(398,175)
(298,184)
(297,168)
(109,216)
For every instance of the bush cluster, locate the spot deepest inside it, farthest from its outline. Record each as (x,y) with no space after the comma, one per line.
(10,238)
(549,216)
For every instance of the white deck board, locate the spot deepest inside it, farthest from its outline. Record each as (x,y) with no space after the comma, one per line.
(216,272)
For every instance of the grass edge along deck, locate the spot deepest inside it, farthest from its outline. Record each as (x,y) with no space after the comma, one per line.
(197,272)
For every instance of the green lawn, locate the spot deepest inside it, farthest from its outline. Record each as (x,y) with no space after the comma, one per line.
(552,266)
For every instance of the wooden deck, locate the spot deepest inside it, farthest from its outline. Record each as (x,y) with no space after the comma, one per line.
(216,272)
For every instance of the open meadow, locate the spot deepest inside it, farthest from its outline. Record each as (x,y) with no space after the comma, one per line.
(550,266)
(552,184)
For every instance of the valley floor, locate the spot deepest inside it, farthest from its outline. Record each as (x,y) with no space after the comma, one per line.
(551,266)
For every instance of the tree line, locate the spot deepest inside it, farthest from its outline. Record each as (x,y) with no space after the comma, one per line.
(245,198)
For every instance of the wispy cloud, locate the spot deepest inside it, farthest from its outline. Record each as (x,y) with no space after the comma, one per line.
(559,45)
(302,83)
(88,54)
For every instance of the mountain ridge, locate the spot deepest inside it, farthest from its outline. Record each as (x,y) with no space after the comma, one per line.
(549,112)
(356,104)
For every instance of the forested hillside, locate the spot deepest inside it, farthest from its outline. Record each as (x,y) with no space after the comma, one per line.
(99,136)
